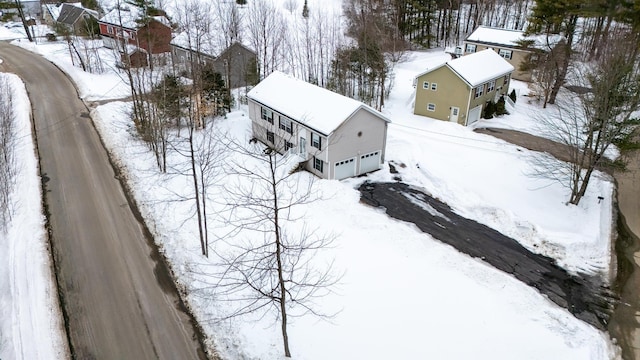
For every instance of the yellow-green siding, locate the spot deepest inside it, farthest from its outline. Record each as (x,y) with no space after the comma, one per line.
(451,91)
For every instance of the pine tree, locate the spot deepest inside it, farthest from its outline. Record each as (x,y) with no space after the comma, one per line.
(305,10)
(501,108)
(489,110)
(215,92)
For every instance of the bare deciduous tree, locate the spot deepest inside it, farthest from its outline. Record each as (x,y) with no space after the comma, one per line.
(601,115)
(229,21)
(267,31)
(270,260)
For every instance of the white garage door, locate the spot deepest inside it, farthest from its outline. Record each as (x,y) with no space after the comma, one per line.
(345,169)
(369,162)
(474,115)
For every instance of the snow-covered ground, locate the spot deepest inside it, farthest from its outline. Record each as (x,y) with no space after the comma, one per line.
(403,294)
(30,321)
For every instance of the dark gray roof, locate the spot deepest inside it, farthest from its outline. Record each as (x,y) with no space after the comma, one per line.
(70,14)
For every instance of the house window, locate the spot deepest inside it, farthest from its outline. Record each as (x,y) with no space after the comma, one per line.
(270,136)
(133,35)
(491,85)
(286,125)
(506,80)
(470,48)
(479,91)
(316,141)
(318,164)
(110,29)
(267,115)
(431,107)
(505,53)
(287,145)
(434,86)
(425,85)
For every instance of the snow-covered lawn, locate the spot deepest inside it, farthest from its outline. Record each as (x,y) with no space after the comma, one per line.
(30,321)
(404,294)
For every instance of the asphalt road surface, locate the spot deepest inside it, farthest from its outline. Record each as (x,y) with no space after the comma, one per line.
(118,299)
(582,296)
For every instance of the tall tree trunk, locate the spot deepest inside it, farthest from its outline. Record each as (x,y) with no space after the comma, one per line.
(281,283)
(566,59)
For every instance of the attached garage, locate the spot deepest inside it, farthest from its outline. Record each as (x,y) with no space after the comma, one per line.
(369,162)
(345,169)
(474,114)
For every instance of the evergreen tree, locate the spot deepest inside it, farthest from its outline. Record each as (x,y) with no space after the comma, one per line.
(501,108)
(169,97)
(489,110)
(305,10)
(215,92)
(241,2)
(6,5)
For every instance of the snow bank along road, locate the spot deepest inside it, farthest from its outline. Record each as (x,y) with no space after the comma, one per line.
(118,299)
(582,296)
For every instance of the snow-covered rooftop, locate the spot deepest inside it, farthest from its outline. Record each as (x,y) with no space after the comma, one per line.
(493,35)
(480,67)
(511,38)
(126,16)
(318,108)
(206,45)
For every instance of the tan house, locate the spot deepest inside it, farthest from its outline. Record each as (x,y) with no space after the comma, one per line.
(335,136)
(458,90)
(510,45)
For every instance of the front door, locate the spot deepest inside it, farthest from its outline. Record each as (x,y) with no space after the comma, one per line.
(453,117)
(303,146)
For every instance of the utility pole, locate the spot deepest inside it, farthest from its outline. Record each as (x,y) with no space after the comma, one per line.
(24,21)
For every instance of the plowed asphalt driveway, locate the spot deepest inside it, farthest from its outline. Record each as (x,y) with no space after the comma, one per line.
(582,296)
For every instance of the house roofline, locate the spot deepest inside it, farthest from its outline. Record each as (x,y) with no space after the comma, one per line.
(292,118)
(194,51)
(458,74)
(362,106)
(499,45)
(117,25)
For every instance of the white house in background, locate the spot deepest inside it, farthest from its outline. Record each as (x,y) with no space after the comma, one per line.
(337,137)
(512,45)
